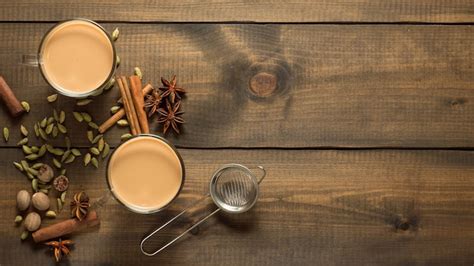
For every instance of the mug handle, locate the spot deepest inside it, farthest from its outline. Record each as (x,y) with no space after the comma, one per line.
(30,60)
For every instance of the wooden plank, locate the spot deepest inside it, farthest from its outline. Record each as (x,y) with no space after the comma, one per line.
(316,207)
(248,11)
(336,85)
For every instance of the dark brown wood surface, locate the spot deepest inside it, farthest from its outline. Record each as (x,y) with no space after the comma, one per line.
(367,136)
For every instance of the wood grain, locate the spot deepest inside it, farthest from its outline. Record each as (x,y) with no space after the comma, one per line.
(337,85)
(316,208)
(242,11)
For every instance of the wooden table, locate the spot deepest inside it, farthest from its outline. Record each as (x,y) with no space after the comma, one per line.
(362,112)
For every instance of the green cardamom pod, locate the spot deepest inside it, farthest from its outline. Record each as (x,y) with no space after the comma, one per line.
(56,163)
(37,166)
(70,159)
(34,149)
(24,164)
(55,132)
(63,171)
(26,149)
(57,152)
(60,204)
(55,115)
(42,150)
(26,106)
(90,135)
(100,145)
(30,176)
(63,197)
(6,134)
(18,166)
(52,98)
(23,141)
(87,159)
(51,119)
(45,191)
(83,102)
(36,129)
(106,150)
(43,134)
(32,157)
(93,125)
(94,151)
(94,162)
(117,62)
(65,155)
(78,116)
(76,152)
(62,128)
(18,219)
(44,122)
(34,184)
(50,214)
(115,34)
(49,129)
(24,235)
(114,109)
(62,117)
(110,85)
(86,116)
(97,138)
(122,123)
(125,137)
(23,130)
(138,72)
(32,171)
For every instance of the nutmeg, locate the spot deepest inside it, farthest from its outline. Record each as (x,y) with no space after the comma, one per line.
(45,173)
(32,221)
(23,200)
(40,201)
(61,183)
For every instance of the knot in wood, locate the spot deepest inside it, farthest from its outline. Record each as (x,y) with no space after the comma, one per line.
(263,84)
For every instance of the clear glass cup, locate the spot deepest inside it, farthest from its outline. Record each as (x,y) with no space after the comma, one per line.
(36,60)
(113,192)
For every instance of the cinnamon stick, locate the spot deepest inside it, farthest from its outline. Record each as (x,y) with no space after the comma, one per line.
(139,102)
(10,100)
(120,113)
(126,105)
(66,227)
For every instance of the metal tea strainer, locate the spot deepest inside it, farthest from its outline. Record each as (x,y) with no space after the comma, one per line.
(233,188)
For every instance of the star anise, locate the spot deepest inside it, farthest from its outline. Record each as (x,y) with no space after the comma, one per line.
(80,205)
(171,116)
(153,101)
(61,248)
(171,90)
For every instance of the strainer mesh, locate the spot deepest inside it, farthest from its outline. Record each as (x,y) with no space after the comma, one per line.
(234,187)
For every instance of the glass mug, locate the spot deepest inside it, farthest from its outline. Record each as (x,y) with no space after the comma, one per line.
(76,57)
(145,174)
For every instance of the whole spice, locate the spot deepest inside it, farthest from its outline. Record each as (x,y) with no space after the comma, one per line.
(23,200)
(24,235)
(52,98)
(122,123)
(171,116)
(23,130)
(6,134)
(61,248)
(40,201)
(10,100)
(32,221)
(78,116)
(26,106)
(80,205)
(45,173)
(171,90)
(18,219)
(61,183)
(153,101)
(83,102)
(115,34)
(50,214)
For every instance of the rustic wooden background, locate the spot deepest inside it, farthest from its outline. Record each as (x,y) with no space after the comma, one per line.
(367,137)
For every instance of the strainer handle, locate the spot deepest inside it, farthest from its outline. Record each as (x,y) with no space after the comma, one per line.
(263,174)
(182,234)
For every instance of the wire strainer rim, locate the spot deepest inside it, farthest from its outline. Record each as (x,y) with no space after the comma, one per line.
(216,199)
